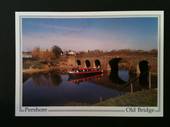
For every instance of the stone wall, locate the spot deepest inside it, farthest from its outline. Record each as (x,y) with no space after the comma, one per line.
(128,61)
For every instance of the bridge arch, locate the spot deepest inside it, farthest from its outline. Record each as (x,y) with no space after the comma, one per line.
(143,66)
(97,63)
(115,67)
(78,62)
(87,63)
(144,72)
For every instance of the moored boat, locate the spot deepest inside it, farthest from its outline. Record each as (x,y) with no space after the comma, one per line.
(84,72)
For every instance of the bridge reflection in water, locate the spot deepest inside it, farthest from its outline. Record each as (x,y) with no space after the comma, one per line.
(47,79)
(121,78)
(58,89)
(78,80)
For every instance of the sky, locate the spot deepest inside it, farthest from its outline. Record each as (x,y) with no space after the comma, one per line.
(83,34)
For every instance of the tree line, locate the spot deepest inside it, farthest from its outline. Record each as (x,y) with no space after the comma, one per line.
(52,54)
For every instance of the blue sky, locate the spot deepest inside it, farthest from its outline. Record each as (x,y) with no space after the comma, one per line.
(90,33)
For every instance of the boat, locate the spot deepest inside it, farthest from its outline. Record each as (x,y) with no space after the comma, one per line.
(76,73)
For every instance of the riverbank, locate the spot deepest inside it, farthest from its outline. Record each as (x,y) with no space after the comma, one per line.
(139,98)
(46,69)
(27,73)
(35,70)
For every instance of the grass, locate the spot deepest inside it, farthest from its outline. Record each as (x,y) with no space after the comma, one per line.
(140,98)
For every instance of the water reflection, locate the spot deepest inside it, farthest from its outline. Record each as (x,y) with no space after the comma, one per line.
(50,79)
(85,78)
(26,77)
(36,90)
(55,79)
(115,78)
(114,75)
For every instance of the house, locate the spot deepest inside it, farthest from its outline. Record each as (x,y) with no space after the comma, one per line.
(27,55)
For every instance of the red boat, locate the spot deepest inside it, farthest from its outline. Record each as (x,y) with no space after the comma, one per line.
(84,72)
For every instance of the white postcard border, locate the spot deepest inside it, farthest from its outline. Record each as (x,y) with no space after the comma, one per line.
(87,110)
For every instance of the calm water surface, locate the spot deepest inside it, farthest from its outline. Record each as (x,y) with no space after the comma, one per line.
(55,90)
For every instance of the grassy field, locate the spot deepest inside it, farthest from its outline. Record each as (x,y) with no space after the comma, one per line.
(140,98)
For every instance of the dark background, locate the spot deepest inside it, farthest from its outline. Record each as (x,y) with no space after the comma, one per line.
(7,56)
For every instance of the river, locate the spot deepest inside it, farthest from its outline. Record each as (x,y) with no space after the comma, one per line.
(53,89)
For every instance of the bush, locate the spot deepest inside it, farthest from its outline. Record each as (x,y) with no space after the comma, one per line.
(26,65)
(37,64)
(33,64)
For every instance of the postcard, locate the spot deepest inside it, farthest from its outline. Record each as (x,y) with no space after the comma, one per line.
(106,63)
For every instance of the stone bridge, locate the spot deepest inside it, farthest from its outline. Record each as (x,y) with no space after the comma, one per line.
(133,62)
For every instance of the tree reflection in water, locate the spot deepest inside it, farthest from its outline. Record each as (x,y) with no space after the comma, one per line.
(55,79)
(48,79)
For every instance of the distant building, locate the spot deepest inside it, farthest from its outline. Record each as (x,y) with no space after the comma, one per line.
(27,55)
(71,53)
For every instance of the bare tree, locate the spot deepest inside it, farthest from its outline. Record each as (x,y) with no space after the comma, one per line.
(36,52)
(57,51)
